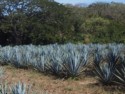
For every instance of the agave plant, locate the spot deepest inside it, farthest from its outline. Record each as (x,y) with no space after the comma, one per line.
(55,67)
(55,63)
(20,88)
(41,62)
(74,63)
(6,55)
(105,69)
(17,58)
(120,72)
(4,89)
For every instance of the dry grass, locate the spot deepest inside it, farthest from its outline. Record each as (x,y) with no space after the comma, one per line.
(87,84)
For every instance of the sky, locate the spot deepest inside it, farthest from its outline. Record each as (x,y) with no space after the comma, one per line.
(87,1)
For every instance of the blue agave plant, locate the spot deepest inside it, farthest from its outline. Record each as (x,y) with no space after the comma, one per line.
(105,69)
(120,72)
(4,89)
(20,88)
(55,62)
(74,63)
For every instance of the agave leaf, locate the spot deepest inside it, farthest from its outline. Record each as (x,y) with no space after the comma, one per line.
(120,73)
(121,79)
(19,88)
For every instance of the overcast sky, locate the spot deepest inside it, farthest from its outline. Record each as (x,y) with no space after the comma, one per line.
(87,1)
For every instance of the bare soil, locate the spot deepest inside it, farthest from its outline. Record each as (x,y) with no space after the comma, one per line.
(41,83)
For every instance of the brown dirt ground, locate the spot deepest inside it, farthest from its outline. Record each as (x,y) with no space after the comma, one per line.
(86,84)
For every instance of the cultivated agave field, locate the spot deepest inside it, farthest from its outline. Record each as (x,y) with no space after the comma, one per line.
(70,60)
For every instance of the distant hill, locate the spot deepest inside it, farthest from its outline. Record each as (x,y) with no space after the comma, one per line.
(81,5)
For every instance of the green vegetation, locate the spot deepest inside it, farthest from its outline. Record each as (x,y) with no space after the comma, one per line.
(45,22)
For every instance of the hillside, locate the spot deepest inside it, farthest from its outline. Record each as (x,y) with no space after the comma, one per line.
(48,22)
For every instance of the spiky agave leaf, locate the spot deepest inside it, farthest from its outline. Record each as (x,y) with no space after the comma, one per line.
(74,63)
(20,88)
(107,73)
(41,62)
(120,72)
(105,69)
(98,56)
(113,55)
(98,59)
(17,59)
(6,54)
(55,62)
(4,88)
(55,67)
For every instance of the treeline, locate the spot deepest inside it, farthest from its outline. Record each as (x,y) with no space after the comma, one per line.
(46,21)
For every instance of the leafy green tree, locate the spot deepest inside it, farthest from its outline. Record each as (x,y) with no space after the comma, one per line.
(97,27)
